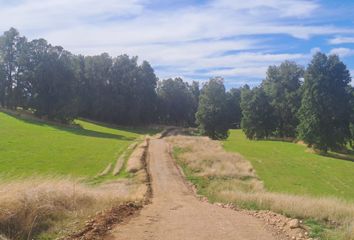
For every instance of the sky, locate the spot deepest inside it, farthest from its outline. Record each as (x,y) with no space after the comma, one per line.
(192,39)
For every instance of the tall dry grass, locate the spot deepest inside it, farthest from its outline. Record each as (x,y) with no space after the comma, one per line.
(208,158)
(231,178)
(29,207)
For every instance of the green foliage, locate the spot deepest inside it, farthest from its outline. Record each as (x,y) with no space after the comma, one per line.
(258,120)
(59,85)
(234,107)
(291,168)
(325,110)
(12,48)
(29,147)
(212,117)
(317,230)
(351,125)
(177,101)
(117,89)
(282,86)
(54,86)
(202,183)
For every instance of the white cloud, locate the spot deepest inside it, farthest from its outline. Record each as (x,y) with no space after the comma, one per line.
(285,8)
(242,65)
(342,52)
(60,14)
(193,40)
(341,40)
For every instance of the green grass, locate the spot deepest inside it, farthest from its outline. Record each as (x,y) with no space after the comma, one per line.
(290,168)
(30,147)
(201,183)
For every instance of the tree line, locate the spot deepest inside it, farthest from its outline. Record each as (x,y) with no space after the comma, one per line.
(61,86)
(58,85)
(315,104)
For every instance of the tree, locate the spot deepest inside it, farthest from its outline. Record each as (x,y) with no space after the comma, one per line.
(11,51)
(2,83)
(54,88)
(233,107)
(282,86)
(351,126)
(211,117)
(147,96)
(116,90)
(325,111)
(257,114)
(176,102)
(94,74)
(195,90)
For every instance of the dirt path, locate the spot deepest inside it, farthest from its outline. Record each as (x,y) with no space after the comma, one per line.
(175,213)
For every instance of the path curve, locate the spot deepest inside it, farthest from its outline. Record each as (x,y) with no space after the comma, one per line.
(176,214)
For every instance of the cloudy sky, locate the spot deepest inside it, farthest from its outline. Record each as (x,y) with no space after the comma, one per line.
(193,39)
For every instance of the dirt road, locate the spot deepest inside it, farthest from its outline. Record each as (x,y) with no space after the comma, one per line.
(176,214)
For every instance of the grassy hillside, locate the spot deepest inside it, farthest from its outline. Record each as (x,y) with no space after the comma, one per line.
(291,168)
(29,147)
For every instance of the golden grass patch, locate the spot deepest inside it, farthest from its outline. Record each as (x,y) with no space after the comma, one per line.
(31,206)
(231,179)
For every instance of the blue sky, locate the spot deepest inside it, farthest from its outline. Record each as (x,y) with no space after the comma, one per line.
(195,39)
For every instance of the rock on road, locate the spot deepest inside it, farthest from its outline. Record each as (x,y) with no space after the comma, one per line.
(176,214)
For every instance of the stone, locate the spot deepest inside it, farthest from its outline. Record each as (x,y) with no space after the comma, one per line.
(294,223)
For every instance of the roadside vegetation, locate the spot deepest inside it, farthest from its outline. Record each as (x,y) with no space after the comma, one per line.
(229,178)
(47,208)
(55,176)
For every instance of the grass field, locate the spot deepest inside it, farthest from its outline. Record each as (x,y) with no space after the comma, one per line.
(291,168)
(29,147)
(48,174)
(227,177)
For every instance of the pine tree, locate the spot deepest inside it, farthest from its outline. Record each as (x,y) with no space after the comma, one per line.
(325,109)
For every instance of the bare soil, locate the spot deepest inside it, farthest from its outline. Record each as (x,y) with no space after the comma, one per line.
(176,213)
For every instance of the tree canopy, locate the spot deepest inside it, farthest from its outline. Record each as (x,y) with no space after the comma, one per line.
(282,86)
(325,108)
(212,115)
(178,101)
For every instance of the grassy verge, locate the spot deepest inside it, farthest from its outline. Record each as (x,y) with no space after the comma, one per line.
(229,178)
(49,183)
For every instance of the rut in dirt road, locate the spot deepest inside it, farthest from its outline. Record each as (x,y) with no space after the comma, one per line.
(176,214)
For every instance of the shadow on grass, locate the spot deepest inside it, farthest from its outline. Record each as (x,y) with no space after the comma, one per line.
(74,129)
(346,157)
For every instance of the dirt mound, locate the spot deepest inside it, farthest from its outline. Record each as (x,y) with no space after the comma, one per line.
(103,222)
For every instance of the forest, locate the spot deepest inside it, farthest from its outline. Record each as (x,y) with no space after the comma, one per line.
(313,104)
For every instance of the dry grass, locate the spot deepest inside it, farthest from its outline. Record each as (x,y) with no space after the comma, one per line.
(296,206)
(135,161)
(29,207)
(231,178)
(209,159)
(121,160)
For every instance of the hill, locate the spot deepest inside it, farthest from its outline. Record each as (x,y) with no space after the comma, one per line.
(291,168)
(31,147)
